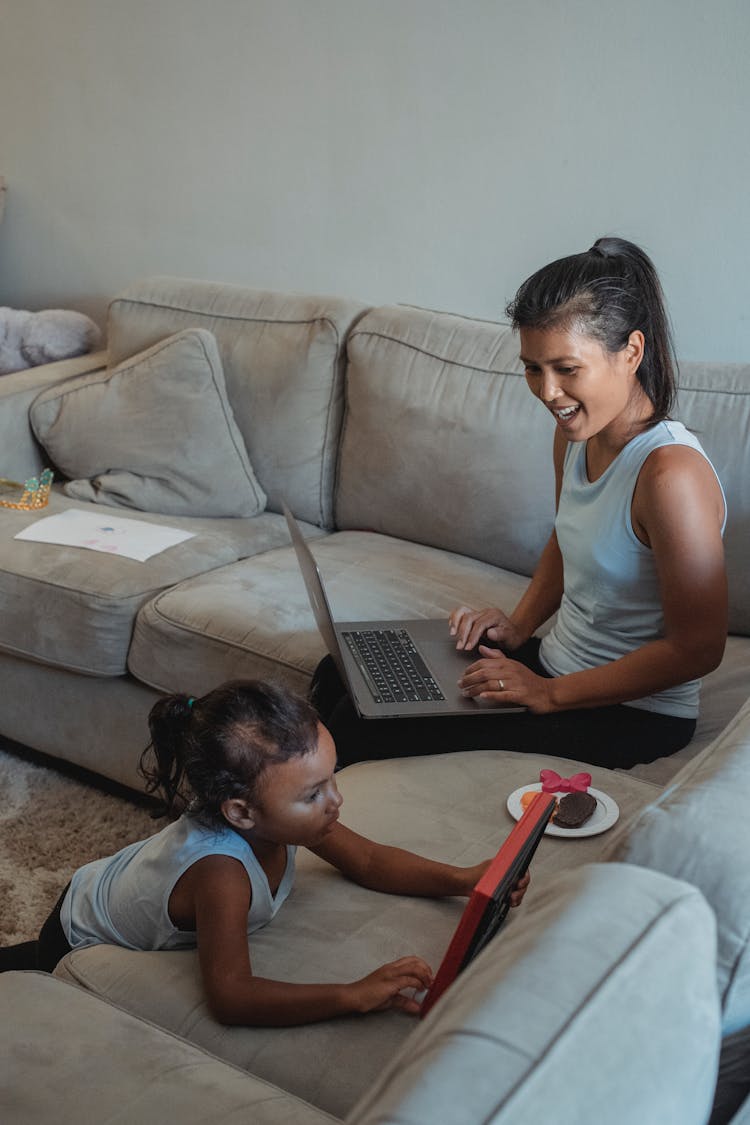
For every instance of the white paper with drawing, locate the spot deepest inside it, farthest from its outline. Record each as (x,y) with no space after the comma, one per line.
(132,539)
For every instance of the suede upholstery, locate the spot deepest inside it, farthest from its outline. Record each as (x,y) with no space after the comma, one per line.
(427,399)
(115,430)
(150,1077)
(548,1005)
(283,362)
(409,447)
(257,613)
(609,997)
(410,423)
(396,802)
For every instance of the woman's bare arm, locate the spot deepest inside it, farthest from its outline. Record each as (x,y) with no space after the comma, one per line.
(677,512)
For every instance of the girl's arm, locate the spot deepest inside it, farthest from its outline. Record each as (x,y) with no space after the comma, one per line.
(677,511)
(220,892)
(399,872)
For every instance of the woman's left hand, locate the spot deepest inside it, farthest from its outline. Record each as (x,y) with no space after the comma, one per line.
(498,679)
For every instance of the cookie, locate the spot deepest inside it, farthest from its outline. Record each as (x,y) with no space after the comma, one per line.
(574,809)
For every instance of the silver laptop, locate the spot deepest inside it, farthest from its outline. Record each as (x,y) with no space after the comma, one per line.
(391,668)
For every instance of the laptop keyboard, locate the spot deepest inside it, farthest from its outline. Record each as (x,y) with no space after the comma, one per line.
(392,668)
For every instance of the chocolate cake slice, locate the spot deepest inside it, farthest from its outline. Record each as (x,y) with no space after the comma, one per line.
(574,809)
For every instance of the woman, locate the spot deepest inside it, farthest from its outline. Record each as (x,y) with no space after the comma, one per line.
(634,567)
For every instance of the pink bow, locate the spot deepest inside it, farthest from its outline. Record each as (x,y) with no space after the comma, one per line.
(553,783)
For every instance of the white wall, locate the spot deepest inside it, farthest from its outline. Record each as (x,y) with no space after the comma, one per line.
(427,151)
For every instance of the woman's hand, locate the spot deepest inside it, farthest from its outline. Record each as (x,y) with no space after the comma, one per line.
(384,988)
(469,626)
(498,679)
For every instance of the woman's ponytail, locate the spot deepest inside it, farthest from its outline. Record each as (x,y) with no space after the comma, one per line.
(611,290)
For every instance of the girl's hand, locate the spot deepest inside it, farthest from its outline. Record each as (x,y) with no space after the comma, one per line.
(500,680)
(469,626)
(474,874)
(520,889)
(384,988)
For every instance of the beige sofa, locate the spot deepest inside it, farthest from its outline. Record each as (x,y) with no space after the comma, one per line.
(408,445)
(612,994)
(406,440)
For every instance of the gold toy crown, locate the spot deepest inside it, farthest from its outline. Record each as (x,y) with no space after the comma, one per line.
(34,493)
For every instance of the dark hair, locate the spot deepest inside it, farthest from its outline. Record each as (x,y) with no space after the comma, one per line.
(205,751)
(610,291)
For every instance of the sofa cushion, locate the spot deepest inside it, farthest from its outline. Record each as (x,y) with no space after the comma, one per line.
(283,358)
(698,830)
(442,441)
(601,1006)
(330,929)
(253,618)
(155,433)
(71,1057)
(75,608)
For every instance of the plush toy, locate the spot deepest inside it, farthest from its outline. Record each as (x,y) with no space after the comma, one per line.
(30,338)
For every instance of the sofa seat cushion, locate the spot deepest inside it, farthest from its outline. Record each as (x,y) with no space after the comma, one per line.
(72,1057)
(253,618)
(698,830)
(113,433)
(599,1007)
(451,807)
(75,608)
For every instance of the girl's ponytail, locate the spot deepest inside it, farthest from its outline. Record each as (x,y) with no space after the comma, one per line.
(206,751)
(162,763)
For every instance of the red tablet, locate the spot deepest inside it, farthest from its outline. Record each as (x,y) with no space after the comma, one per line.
(489,902)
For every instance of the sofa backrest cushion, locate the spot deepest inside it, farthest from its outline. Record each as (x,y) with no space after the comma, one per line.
(698,830)
(597,1003)
(155,433)
(442,441)
(714,402)
(282,356)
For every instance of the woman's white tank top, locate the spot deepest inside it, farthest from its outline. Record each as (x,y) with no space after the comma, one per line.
(611,604)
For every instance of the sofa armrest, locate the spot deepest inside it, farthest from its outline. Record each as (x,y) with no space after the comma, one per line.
(20,454)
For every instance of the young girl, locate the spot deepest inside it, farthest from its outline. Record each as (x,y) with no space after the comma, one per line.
(634,566)
(256,769)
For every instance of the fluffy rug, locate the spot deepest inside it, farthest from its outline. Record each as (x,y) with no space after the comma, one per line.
(49,825)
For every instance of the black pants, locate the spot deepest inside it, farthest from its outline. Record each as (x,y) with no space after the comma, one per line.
(44,953)
(603,736)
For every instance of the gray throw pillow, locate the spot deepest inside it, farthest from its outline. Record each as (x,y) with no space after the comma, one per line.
(155,433)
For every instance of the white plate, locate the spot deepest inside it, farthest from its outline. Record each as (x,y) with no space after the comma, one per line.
(603,817)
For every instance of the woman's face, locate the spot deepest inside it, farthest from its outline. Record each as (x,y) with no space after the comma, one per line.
(587,389)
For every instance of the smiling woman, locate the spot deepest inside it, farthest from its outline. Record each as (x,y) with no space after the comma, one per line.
(634,567)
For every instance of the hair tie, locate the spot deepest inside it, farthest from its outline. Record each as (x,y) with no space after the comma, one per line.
(191,701)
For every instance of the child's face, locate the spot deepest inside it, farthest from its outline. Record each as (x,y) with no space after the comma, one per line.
(298,800)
